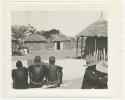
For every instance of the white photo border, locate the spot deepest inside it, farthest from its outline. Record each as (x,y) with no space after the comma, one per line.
(114,48)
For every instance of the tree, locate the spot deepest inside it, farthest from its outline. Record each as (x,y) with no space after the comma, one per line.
(46,34)
(31,29)
(54,32)
(41,32)
(51,33)
(19,31)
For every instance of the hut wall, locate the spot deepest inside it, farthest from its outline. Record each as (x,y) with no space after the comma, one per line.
(64,45)
(81,45)
(72,44)
(50,45)
(14,46)
(36,46)
(68,44)
(61,45)
(55,45)
(96,47)
(43,45)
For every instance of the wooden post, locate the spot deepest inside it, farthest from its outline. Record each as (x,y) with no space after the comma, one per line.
(104,53)
(84,47)
(81,46)
(106,56)
(95,50)
(77,47)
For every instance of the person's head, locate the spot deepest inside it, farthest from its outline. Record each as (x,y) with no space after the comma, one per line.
(91,62)
(51,60)
(18,64)
(37,59)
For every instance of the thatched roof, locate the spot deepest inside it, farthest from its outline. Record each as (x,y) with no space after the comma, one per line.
(60,38)
(35,37)
(98,28)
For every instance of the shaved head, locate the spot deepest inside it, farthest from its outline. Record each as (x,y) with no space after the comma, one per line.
(18,64)
(37,59)
(52,60)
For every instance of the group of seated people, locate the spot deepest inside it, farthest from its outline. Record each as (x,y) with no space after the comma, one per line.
(40,74)
(50,75)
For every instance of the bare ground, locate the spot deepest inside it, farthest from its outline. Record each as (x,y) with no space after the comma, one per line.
(73,69)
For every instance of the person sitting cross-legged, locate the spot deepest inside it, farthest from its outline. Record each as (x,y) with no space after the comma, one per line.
(20,76)
(37,73)
(53,73)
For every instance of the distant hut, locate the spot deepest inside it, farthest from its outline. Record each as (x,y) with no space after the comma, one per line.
(14,44)
(94,41)
(61,42)
(35,42)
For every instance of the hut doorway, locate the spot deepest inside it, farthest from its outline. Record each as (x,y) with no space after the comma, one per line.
(58,45)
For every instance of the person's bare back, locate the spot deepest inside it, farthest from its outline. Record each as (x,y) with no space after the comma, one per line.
(53,73)
(36,73)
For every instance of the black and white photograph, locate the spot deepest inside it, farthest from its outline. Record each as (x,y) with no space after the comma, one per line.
(59,49)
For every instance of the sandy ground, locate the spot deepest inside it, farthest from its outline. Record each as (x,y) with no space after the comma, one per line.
(45,54)
(73,71)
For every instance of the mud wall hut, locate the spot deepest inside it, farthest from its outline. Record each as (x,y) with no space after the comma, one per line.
(14,44)
(35,42)
(61,42)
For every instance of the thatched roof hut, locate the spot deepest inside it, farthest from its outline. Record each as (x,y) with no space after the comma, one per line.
(14,44)
(35,38)
(95,39)
(62,42)
(98,28)
(60,38)
(35,42)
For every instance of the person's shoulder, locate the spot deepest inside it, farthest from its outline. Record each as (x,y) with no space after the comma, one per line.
(89,71)
(58,67)
(30,67)
(91,68)
(13,70)
(24,68)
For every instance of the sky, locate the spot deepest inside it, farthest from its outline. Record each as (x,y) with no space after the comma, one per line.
(69,23)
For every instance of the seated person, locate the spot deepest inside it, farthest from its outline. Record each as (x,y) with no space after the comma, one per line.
(20,76)
(53,73)
(93,78)
(101,70)
(36,73)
